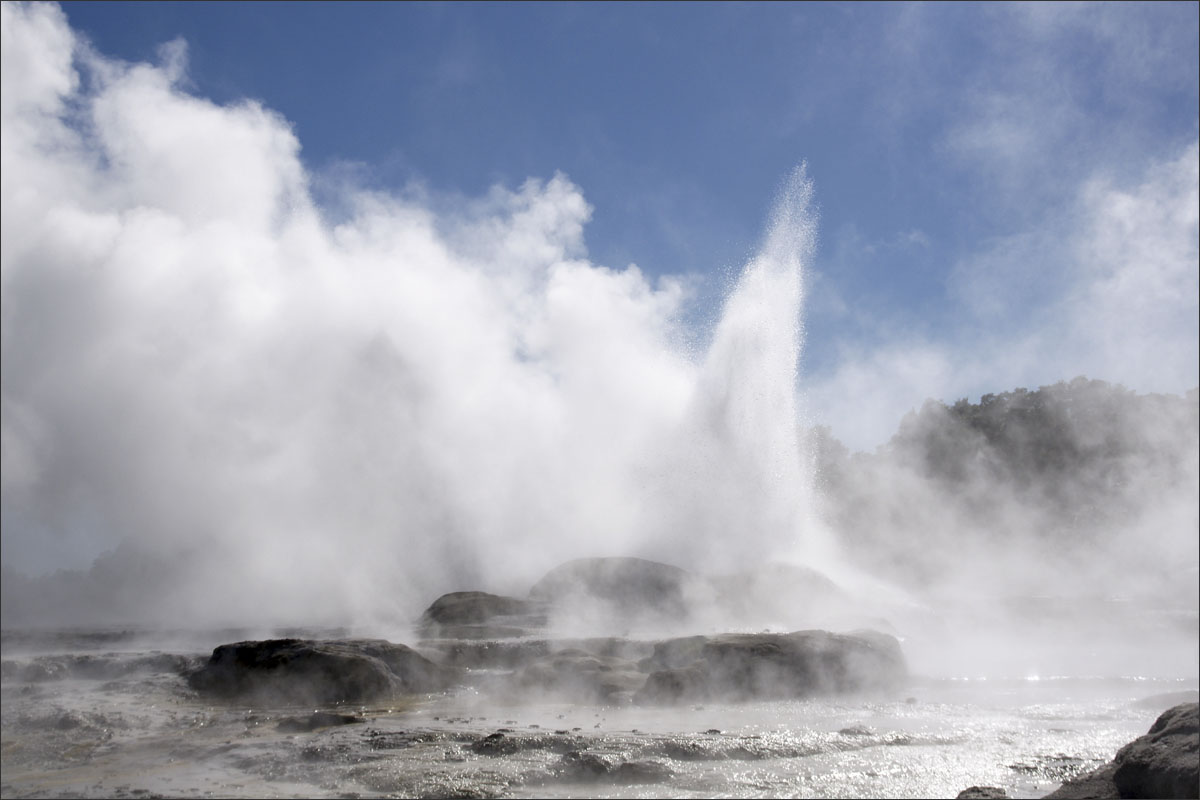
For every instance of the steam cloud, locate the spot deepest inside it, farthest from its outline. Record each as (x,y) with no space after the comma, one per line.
(276,416)
(252,412)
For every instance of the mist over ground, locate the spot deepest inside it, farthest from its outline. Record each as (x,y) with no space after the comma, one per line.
(226,404)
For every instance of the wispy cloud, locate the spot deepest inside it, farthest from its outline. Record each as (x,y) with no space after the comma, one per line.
(1108,288)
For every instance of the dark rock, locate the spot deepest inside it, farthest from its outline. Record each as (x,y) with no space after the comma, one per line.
(591,766)
(1095,785)
(68,722)
(479,615)
(505,743)
(630,587)
(646,771)
(1164,763)
(300,671)
(749,666)
(492,744)
(457,608)
(863,730)
(982,793)
(582,765)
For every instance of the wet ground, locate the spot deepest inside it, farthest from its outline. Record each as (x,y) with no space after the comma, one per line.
(115,719)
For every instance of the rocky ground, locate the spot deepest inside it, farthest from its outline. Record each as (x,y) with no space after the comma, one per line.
(493,699)
(498,645)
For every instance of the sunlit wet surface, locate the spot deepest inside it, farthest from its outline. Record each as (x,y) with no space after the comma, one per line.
(129,727)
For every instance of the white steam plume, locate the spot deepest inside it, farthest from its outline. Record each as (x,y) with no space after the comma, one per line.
(280,418)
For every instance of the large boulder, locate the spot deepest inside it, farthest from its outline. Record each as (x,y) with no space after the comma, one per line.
(1094,785)
(306,672)
(760,666)
(480,615)
(1164,763)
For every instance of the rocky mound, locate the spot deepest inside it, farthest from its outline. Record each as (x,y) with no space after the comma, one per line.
(480,615)
(1164,763)
(730,667)
(604,596)
(500,641)
(760,666)
(300,671)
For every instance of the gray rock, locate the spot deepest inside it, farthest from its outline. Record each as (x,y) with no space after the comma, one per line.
(505,742)
(645,771)
(761,666)
(300,671)
(479,615)
(982,793)
(863,730)
(582,765)
(585,765)
(1164,763)
(1095,785)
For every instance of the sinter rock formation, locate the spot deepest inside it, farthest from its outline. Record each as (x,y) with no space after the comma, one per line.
(498,644)
(763,665)
(479,615)
(1164,763)
(982,793)
(627,595)
(301,671)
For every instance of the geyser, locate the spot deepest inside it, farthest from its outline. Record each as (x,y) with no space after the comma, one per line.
(742,490)
(253,413)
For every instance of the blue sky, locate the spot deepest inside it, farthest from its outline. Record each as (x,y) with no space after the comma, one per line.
(932,132)
(1007,196)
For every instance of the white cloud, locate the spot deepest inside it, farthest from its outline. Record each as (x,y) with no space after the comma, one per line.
(1106,289)
(1134,309)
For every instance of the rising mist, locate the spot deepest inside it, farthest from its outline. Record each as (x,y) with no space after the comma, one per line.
(250,411)
(225,404)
